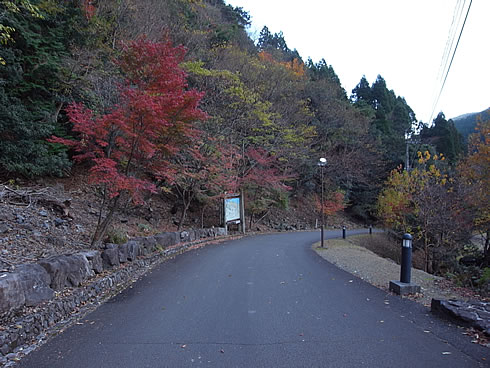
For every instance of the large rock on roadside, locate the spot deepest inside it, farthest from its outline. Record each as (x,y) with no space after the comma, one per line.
(27,285)
(167,239)
(35,283)
(133,250)
(148,244)
(475,314)
(185,236)
(110,256)
(66,270)
(123,252)
(94,259)
(220,231)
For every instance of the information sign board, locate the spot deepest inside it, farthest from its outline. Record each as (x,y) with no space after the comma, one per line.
(232,209)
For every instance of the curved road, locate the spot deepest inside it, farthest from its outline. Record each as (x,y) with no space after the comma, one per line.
(262,301)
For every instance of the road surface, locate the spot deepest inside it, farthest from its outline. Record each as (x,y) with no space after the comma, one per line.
(261,301)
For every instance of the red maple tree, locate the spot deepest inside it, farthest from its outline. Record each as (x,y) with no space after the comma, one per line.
(132,144)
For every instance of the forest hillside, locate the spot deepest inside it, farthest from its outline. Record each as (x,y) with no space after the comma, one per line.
(171,101)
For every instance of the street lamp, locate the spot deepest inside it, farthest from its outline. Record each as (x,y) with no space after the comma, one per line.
(322,163)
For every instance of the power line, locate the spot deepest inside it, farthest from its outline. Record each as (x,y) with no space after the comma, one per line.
(450,64)
(457,13)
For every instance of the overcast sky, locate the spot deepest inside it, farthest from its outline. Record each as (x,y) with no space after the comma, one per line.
(403,40)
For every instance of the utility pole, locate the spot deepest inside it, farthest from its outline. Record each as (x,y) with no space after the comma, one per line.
(322,163)
(407,161)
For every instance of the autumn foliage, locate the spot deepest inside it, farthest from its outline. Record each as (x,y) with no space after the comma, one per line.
(130,146)
(335,202)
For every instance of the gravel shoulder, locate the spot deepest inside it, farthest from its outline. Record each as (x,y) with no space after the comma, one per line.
(378,271)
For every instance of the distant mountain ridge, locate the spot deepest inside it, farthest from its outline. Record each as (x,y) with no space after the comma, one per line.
(466,123)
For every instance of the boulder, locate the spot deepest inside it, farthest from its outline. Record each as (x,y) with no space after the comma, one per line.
(220,231)
(110,256)
(193,235)
(27,285)
(66,270)
(147,244)
(133,250)
(123,252)
(474,314)
(35,283)
(184,236)
(167,239)
(94,260)
(10,297)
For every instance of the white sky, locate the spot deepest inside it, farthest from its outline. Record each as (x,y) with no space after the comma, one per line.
(403,40)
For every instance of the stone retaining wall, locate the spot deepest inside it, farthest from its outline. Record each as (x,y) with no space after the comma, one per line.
(35,297)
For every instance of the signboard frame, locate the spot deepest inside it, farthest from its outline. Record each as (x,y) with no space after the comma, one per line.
(234,210)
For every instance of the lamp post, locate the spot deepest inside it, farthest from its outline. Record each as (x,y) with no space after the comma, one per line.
(322,163)
(405,285)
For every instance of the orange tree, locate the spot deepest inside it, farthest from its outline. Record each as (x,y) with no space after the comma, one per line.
(428,204)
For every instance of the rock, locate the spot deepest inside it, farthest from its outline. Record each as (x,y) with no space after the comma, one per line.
(94,259)
(4,349)
(474,314)
(220,231)
(110,256)
(35,283)
(27,285)
(147,244)
(123,252)
(56,241)
(133,248)
(66,270)
(43,213)
(58,221)
(184,236)
(4,228)
(167,239)
(10,297)
(192,235)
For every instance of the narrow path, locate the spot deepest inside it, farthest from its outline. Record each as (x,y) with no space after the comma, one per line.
(262,301)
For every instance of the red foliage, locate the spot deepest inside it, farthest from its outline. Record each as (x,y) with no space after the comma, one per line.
(89,8)
(333,204)
(263,170)
(152,122)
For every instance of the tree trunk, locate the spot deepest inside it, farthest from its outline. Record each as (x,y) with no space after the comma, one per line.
(102,226)
(486,250)
(202,216)
(185,207)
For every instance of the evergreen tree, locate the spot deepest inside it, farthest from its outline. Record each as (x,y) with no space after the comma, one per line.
(31,91)
(444,136)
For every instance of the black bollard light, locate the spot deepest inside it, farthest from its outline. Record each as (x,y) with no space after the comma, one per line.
(370,229)
(406,268)
(405,286)
(343,232)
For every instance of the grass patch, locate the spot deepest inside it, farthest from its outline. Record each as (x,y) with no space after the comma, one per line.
(381,244)
(386,246)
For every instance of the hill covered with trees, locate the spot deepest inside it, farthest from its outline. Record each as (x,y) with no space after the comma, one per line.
(173,98)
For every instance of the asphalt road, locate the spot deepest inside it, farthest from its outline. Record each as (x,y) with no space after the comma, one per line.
(262,301)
